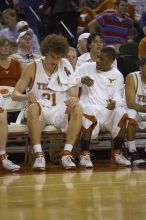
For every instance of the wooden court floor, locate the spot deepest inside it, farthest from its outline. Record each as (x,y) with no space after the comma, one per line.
(102,193)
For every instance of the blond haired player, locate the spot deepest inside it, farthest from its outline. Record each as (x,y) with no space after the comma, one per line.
(51,95)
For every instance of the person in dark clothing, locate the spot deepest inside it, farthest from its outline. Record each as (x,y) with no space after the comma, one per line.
(141,28)
(6,4)
(30,10)
(92,3)
(66,11)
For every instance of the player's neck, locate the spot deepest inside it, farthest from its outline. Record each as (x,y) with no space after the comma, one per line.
(49,69)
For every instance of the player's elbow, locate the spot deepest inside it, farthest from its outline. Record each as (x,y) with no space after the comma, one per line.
(14,96)
(130,104)
(93,26)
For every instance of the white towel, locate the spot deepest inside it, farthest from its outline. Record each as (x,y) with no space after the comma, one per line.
(64,79)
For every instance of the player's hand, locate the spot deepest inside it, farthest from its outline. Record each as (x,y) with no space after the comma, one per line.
(31,98)
(87,81)
(111,104)
(71,102)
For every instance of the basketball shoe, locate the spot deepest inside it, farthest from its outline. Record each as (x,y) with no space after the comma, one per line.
(135,158)
(39,161)
(85,160)
(119,159)
(67,160)
(8,164)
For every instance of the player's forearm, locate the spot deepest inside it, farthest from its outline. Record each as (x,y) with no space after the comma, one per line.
(137,107)
(93,26)
(17,96)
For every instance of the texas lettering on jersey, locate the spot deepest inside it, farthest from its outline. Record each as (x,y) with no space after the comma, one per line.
(141,98)
(48,93)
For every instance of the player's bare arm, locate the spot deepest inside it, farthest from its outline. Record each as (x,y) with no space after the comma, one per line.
(130,93)
(73,97)
(23,83)
(93,26)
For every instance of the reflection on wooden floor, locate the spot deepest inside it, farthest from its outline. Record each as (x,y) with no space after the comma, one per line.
(104,193)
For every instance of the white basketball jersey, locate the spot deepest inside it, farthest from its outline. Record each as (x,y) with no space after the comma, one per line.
(107,85)
(140,97)
(46,96)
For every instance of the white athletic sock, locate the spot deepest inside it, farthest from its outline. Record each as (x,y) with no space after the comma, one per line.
(131,146)
(68,147)
(37,148)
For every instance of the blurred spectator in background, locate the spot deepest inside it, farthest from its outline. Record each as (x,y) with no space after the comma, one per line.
(31,14)
(142,28)
(92,3)
(142,48)
(4,4)
(25,54)
(23,26)
(116,27)
(10,69)
(86,15)
(9,17)
(143,23)
(110,5)
(13,47)
(72,57)
(95,43)
(12,29)
(140,7)
(66,11)
(82,43)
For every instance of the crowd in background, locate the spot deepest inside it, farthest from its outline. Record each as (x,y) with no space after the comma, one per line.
(71,19)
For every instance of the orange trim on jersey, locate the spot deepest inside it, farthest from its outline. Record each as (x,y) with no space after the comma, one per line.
(132,121)
(93,125)
(90,117)
(122,121)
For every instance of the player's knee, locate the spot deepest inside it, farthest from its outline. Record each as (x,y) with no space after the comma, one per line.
(3,117)
(33,110)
